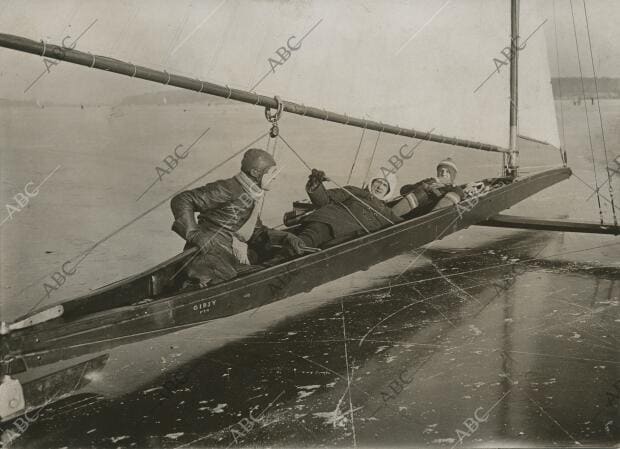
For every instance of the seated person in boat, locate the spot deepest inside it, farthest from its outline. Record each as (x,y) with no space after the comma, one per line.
(228,220)
(430,193)
(346,212)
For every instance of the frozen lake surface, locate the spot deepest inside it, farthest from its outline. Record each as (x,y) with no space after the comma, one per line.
(490,337)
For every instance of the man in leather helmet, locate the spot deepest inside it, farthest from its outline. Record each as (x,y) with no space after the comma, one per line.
(228,220)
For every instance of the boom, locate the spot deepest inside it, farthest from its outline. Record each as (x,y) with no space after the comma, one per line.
(162,77)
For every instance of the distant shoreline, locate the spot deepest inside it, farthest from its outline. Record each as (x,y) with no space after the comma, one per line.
(565,88)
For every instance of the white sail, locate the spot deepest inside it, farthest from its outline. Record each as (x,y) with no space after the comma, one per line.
(409,63)
(537,117)
(417,63)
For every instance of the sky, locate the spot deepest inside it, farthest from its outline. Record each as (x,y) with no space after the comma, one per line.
(168,35)
(603,20)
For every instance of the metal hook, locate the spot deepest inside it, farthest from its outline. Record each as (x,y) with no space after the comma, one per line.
(44,47)
(257,99)
(273,118)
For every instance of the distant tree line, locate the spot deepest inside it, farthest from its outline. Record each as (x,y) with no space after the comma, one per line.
(571,87)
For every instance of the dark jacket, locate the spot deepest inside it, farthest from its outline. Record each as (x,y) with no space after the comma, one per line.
(222,206)
(344,213)
(428,192)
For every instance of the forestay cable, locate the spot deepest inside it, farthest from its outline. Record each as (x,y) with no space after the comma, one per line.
(583,90)
(356,155)
(600,115)
(367,206)
(372,158)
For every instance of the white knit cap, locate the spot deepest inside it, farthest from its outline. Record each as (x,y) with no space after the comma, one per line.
(448,162)
(392,183)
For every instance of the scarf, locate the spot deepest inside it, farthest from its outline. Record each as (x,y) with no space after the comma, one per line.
(244,233)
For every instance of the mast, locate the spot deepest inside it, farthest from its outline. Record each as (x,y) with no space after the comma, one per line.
(62,53)
(511,160)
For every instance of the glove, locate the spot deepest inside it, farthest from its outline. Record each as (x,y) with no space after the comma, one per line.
(199,239)
(433,188)
(295,244)
(315,179)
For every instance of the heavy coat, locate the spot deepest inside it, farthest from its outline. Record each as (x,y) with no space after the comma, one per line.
(344,213)
(428,193)
(223,207)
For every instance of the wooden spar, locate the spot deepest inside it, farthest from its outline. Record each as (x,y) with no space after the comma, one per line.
(512,158)
(512,221)
(124,68)
(531,139)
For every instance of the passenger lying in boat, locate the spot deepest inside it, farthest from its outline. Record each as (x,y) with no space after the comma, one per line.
(346,212)
(430,193)
(229,220)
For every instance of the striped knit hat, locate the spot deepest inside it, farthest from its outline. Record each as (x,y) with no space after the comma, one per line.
(450,165)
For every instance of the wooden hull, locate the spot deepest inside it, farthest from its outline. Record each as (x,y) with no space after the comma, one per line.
(87,327)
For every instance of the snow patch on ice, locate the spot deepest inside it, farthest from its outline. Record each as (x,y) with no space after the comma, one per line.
(443,440)
(475,330)
(219,408)
(335,418)
(150,390)
(430,428)
(174,436)
(306,390)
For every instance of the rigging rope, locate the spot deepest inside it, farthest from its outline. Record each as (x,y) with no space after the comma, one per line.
(356,155)
(600,115)
(372,158)
(557,55)
(594,190)
(583,90)
(273,154)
